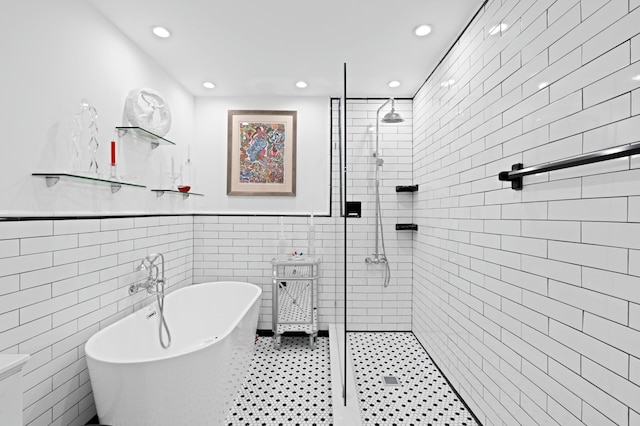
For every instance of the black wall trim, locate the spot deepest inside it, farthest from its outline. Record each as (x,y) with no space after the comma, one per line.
(475,15)
(33,218)
(117,216)
(257,215)
(379,99)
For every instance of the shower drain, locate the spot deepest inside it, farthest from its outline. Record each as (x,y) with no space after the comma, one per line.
(390,381)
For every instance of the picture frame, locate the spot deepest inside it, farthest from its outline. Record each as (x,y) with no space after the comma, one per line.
(261,152)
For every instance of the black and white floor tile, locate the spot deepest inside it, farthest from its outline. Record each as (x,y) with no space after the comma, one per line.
(423,397)
(286,387)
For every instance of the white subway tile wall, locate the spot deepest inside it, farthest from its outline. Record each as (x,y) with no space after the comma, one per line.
(63,280)
(529,301)
(370,306)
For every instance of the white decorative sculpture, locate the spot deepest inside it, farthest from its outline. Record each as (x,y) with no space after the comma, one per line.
(146,108)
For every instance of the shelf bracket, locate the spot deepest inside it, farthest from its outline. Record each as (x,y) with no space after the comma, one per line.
(51,180)
(122,132)
(115,187)
(159,194)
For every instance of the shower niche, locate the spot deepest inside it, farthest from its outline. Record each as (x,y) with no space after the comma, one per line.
(353,208)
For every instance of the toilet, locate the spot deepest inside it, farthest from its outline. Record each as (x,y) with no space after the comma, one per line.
(11,388)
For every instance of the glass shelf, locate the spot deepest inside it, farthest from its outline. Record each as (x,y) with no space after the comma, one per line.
(145,135)
(53,178)
(160,193)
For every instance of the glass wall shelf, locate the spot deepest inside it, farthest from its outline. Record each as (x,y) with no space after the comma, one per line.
(53,178)
(145,135)
(160,193)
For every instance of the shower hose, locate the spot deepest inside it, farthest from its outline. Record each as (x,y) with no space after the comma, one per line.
(387,269)
(163,321)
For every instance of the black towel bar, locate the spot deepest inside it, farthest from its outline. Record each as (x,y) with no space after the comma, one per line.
(518,172)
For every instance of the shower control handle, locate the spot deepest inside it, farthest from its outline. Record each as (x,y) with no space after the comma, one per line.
(377,259)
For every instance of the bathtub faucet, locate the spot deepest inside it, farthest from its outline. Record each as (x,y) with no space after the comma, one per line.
(155,281)
(154,284)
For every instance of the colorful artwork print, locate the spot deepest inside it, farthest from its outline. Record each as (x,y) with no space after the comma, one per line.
(262,149)
(261,153)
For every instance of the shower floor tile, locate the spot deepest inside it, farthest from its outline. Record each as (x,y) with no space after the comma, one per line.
(423,396)
(287,387)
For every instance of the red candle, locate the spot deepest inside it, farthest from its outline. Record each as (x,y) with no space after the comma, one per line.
(113,153)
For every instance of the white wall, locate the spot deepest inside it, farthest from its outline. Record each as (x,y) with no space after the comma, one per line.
(529,299)
(313,156)
(55,54)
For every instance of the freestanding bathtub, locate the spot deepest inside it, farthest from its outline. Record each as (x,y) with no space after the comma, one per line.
(193,382)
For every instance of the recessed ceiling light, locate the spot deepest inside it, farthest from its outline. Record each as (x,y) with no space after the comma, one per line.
(448,83)
(422,30)
(394,83)
(636,78)
(497,29)
(301,85)
(208,85)
(542,85)
(161,32)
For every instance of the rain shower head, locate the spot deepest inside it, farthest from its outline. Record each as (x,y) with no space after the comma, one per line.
(392,117)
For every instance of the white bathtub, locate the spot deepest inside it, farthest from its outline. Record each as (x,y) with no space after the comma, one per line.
(137,382)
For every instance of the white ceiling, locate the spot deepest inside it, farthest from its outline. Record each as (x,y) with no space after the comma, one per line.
(262,48)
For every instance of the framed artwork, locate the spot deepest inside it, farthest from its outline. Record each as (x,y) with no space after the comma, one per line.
(261,157)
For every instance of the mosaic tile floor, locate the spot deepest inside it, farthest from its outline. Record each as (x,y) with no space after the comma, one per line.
(286,387)
(292,386)
(423,397)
